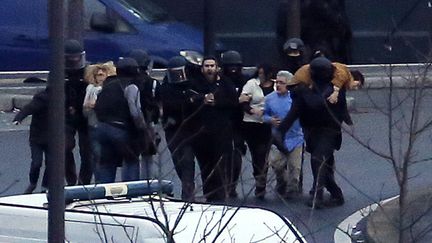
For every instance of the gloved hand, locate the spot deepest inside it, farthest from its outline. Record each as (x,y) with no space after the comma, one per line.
(278,141)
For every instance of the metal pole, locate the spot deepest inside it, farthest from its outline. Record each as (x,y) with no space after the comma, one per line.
(56,154)
(209,34)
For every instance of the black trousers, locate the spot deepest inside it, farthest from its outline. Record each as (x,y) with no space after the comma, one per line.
(233,169)
(85,173)
(258,139)
(179,144)
(213,151)
(322,163)
(37,155)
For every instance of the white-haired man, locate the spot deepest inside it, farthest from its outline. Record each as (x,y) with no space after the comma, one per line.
(286,164)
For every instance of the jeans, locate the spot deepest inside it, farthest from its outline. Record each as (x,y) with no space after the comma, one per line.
(115,151)
(95,148)
(106,173)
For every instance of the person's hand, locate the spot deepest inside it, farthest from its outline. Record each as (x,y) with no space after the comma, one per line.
(16,122)
(278,141)
(275,121)
(90,104)
(244,98)
(333,98)
(355,84)
(257,111)
(209,99)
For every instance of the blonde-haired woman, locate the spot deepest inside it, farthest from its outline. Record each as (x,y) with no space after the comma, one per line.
(95,75)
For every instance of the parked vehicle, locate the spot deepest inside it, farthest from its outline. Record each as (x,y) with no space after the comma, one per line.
(111,29)
(137,212)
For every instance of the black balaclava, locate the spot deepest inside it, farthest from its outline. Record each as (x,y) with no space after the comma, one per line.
(232,64)
(321,70)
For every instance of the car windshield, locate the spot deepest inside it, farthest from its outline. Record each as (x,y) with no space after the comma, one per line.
(146,10)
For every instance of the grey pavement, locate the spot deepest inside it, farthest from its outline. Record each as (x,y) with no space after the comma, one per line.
(6,122)
(382,224)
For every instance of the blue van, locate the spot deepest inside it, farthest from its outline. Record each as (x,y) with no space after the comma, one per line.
(111,29)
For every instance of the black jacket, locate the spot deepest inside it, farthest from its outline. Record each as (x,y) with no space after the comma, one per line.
(320,120)
(38,108)
(217,116)
(238,113)
(75,89)
(176,105)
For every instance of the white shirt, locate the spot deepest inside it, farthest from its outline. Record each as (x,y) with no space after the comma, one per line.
(253,89)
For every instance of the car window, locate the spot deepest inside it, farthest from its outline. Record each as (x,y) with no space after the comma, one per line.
(95,6)
(147,10)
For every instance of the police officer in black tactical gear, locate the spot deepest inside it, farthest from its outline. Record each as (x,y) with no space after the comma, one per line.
(294,49)
(75,89)
(148,87)
(177,121)
(232,65)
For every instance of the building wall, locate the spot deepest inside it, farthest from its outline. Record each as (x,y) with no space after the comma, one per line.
(249,27)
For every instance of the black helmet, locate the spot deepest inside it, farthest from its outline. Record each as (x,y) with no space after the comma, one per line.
(74,55)
(176,70)
(231,58)
(293,47)
(142,57)
(127,67)
(321,70)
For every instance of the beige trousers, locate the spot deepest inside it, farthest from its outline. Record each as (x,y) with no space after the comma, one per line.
(286,167)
